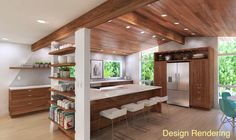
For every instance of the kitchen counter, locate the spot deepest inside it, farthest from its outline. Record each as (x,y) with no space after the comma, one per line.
(98,94)
(29,87)
(115,97)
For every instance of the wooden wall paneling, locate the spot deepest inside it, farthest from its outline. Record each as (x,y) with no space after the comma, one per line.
(104,12)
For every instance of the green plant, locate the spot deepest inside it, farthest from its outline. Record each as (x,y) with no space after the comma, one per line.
(111,69)
(64,69)
(147,64)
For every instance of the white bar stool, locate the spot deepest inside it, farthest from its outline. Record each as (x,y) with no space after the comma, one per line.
(148,104)
(133,108)
(161,100)
(112,114)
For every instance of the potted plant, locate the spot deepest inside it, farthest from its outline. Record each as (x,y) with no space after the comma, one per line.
(41,65)
(46,64)
(64,72)
(36,64)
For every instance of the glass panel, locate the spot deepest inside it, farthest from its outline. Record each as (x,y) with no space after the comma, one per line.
(227,45)
(112,69)
(227,70)
(232,91)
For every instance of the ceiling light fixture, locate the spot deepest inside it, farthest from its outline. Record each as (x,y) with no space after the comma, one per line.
(164,15)
(41,21)
(127,27)
(113,51)
(186,29)
(110,21)
(101,50)
(142,32)
(154,36)
(4,38)
(163,39)
(193,33)
(176,23)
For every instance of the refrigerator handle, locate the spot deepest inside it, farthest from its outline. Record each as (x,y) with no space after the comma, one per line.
(178,77)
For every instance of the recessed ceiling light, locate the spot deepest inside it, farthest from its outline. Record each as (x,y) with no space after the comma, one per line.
(154,36)
(41,21)
(101,50)
(127,27)
(4,38)
(164,15)
(186,29)
(193,33)
(113,51)
(142,32)
(110,21)
(163,39)
(176,23)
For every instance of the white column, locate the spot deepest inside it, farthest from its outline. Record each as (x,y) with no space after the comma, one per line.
(82,75)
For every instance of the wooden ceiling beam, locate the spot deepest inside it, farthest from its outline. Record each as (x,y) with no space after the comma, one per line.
(104,12)
(140,21)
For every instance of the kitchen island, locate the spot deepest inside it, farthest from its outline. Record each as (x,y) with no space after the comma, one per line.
(106,98)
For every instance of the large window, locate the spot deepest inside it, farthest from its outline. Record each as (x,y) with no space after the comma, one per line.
(112,69)
(147,66)
(227,65)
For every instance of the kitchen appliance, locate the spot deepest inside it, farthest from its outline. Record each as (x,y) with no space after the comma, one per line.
(178,83)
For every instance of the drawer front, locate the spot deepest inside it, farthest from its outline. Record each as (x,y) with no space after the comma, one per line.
(21,107)
(29,94)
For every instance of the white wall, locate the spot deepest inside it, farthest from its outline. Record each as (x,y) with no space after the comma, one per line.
(100,56)
(12,54)
(133,67)
(196,42)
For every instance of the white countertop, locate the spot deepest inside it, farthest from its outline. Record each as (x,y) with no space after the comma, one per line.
(97,94)
(29,87)
(107,81)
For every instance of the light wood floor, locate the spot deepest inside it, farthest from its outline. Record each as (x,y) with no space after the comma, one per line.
(36,127)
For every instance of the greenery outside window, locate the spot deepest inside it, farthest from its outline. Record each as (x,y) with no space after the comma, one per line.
(112,69)
(147,66)
(227,65)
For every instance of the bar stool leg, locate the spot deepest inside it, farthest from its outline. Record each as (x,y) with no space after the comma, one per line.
(126,119)
(112,134)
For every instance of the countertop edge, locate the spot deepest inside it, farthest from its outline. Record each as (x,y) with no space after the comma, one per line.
(29,87)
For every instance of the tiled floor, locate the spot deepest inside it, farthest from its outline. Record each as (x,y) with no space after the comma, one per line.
(36,127)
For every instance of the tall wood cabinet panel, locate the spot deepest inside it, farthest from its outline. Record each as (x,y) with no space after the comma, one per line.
(199,83)
(160,77)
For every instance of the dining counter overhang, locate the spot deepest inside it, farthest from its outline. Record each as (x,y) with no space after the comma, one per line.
(116,97)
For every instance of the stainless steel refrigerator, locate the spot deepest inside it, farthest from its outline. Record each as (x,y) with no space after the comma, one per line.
(178,83)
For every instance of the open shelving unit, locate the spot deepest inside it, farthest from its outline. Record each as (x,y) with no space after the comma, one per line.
(56,80)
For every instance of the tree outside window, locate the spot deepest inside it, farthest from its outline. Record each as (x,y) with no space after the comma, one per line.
(227,65)
(112,69)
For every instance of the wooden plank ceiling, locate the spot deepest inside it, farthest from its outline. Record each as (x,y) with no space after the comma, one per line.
(205,18)
(176,18)
(201,17)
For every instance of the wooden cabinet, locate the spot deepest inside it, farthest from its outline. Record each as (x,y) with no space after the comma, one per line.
(200,84)
(28,100)
(160,79)
(201,87)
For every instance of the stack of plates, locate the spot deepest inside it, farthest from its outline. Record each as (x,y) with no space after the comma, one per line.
(199,55)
